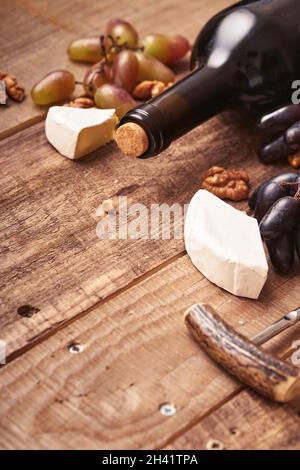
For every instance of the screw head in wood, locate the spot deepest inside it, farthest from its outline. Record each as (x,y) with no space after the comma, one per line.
(75,348)
(167,409)
(234,431)
(215,444)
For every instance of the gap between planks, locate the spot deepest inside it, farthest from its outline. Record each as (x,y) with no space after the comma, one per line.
(51,331)
(49,219)
(53,25)
(231,397)
(46,335)
(194,423)
(247,422)
(60,326)
(146,324)
(21,127)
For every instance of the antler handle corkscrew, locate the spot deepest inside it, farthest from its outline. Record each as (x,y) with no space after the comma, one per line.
(243,358)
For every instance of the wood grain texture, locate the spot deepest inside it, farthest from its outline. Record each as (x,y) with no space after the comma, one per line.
(34,36)
(247,422)
(51,256)
(260,370)
(30,48)
(137,355)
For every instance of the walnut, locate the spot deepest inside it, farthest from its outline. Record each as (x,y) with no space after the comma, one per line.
(81,102)
(13,88)
(227,184)
(159,87)
(295,160)
(149,89)
(143,91)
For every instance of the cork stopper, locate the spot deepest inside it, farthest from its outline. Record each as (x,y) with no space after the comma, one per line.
(132,139)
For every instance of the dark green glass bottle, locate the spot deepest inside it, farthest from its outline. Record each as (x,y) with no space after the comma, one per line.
(248,53)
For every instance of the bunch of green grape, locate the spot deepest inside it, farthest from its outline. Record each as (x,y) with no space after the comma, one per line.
(119,62)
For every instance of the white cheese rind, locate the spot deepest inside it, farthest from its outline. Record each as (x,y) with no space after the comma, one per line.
(225,245)
(76,132)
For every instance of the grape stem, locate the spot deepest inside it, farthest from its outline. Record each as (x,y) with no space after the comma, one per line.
(84,84)
(285,184)
(115,47)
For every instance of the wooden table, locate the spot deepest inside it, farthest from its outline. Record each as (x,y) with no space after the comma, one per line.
(122,301)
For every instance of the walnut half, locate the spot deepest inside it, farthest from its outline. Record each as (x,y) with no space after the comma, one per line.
(149,89)
(13,87)
(227,184)
(81,102)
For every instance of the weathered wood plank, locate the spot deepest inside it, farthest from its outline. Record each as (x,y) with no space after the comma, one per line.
(34,37)
(247,422)
(30,47)
(137,355)
(137,352)
(51,256)
(81,17)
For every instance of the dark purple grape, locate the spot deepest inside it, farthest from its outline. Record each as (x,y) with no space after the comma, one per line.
(294,188)
(282,252)
(285,177)
(280,119)
(292,137)
(280,218)
(255,195)
(275,151)
(266,198)
(297,239)
(281,178)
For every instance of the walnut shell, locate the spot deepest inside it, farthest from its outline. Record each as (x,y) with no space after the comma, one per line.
(227,184)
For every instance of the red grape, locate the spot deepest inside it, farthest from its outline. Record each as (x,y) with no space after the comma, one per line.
(96,76)
(54,87)
(167,49)
(152,69)
(112,96)
(126,70)
(122,32)
(87,49)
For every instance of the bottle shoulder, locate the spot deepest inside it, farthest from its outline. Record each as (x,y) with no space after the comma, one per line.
(203,43)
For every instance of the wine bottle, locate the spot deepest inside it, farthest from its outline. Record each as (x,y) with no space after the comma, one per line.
(248,53)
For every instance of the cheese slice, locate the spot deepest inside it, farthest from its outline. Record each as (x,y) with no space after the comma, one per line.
(225,245)
(75,132)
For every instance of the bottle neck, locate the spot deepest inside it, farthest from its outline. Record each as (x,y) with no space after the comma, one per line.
(192,101)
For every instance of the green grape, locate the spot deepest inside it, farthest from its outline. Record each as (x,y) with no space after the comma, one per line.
(87,49)
(167,49)
(126,70)
(111,96)
(152,69)
(122,32)
(96,76)
(54,87)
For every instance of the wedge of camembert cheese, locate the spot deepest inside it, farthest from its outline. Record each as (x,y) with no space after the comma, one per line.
(225,245)
(75,132)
